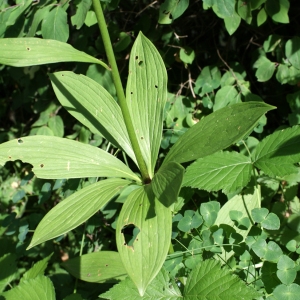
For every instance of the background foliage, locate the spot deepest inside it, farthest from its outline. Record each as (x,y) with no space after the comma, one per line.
(216,53)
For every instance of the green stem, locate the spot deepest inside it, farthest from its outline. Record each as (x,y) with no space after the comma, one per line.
(120,90)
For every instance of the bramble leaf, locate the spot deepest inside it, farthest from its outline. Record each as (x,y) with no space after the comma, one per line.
(228,171)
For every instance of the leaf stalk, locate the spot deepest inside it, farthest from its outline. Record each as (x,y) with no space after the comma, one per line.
(119,89)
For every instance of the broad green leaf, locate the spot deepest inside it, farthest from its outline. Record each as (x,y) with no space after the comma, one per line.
(166,183)
(55,158)
(287,292)
(162,287)
(211,281)
(272,42)
(8,270)
(209,212)
(224,8)
(244,10)
(232,23)
(123,42)
(82,8)
(37,19)
(225,96)
(76,209)
(93,106)
(37,269)
(255,4)
(228,171)
(191,219)
(267,251)
(268,220)
(265,70)
(17,11)
(278,10)
(23,52)
(55,25)
(171,10)
(217,131)
(56,124)
(278,152)
(261,17)
(208,80)
(37,288)
(187,55)
(292,51)
(96,267)
(244,204)
(145,256)
(146,95)
(286,270)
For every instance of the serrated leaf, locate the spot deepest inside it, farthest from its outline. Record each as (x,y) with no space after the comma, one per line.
(76,209)
(166,183)
(38,288)
(277,153)
(211,281)
(37,269)
(96,267)
(162,287)
(23,52)
(55,25)
(146,95)
(171,10)
(93,106)
(145,257)
(228,171)
(217,131)
(56,158)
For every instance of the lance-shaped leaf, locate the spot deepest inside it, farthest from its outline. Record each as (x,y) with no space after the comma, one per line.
(228,171)
(56,158)
(93,106)
(76,209)
(217,131)
(278,152)
(146,95)
(97,267)
(23,52)
(166,183)
(143,255)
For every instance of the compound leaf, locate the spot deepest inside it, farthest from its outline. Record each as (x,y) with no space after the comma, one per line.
(277,153)
(211,281)
(228,171)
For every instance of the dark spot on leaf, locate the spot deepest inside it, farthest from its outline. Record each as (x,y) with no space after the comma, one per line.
(140,204)
(106,265)
(28,48)
(156,86)
(89,275)
(124,244)
(136,57)
(140,62)
(130,233)
(9,157)
(142,138)
(42,165)
(62,75)
(20,141)
(131,93)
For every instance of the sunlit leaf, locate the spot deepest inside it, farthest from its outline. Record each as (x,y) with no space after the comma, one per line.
(146,95)
(76,209)
(55,158)
(96,267)
(217,131)
(22,52)
(93,106)
(144,256)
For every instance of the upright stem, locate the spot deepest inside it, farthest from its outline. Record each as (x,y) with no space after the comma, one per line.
(120,90)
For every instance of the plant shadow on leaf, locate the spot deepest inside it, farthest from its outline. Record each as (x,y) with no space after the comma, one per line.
(130,233)
(79,107)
